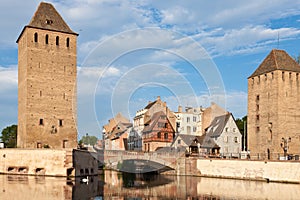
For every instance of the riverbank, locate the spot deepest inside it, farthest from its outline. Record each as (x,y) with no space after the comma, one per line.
(268,171)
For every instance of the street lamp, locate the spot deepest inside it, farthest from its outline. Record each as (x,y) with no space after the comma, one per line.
(284,145)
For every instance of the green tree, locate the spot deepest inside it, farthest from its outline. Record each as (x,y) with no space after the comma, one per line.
(91,140)
(9,136)
(242,126)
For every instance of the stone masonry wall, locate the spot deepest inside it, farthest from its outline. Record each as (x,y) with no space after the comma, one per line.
(47,90)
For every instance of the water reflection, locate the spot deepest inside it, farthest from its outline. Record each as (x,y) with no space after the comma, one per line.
(113,185)
(39,187)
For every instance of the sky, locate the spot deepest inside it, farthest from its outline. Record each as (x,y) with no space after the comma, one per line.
(190,53)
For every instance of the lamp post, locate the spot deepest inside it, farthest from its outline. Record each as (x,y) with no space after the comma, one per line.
(285,145)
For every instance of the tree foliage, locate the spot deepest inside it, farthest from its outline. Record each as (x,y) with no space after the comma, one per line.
(242,126)
(91,140)
(9,136)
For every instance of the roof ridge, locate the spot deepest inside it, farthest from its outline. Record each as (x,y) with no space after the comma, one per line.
(275,60)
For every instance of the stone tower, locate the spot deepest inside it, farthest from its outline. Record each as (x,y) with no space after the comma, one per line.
(274,107)
(47,82)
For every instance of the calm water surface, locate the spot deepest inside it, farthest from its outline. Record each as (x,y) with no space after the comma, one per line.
(113,185)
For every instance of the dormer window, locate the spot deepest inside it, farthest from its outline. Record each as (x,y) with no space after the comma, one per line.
(49,21)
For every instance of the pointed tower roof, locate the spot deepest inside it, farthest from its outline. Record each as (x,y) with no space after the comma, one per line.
(277,60)
(46,17)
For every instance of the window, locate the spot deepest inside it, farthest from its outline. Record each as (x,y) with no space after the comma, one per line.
(257,98)
(166,136)
(282,76)
(60,121)
(158,135)
(226,129)
(225,149)
(39,145)
(47,39)
(41,122)
(65,143)
(188,119)
(49,21)
(257,129)
(188,129)
(35,37)
(166,125)
(194,119)
(257,107)
(41,93)
(225,138)
(179,141)
(272,75)
(233,129)
(68,42)
(236,140)
(194,129)
(257,117)
(57,40)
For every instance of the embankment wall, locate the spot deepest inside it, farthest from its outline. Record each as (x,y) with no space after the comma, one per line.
(279,171)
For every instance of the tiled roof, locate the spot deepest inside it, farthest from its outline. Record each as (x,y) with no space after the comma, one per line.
(277,60)
(46,17)
(114,121)
(218,124)
(153,121)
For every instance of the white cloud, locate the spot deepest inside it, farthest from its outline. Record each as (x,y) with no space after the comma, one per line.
(8,79)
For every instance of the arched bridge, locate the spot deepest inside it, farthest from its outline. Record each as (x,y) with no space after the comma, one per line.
(140,162)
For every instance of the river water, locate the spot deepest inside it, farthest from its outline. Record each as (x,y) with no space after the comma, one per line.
(113,185)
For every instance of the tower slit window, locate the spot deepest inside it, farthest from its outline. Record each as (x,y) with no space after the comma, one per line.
(57,40)
(68,42)
(60,122)
(35,37)
(47,39)
(41,122)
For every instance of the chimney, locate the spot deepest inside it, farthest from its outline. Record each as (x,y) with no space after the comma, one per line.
(180,109)
(158,98)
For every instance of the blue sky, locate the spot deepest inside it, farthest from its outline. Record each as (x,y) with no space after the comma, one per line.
(188,52)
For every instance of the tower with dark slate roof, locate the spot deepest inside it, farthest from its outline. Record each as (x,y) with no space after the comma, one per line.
(274,107)
(47,82)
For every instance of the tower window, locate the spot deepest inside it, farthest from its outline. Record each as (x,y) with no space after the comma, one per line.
(60,122)
(47,39)
(68,42)
(41,122)
(35,37)
(57,40)
(282,76)
(257,129)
